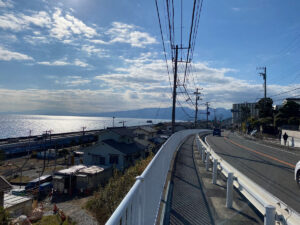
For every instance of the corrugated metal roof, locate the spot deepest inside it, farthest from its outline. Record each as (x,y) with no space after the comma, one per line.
(92,170)
(71,170)
(11,200)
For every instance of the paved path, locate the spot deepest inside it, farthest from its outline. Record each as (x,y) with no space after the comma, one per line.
(186,202)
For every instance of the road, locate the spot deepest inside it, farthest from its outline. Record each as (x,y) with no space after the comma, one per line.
(270,167)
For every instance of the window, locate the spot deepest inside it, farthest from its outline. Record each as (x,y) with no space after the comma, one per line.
(102,160)
(114,159)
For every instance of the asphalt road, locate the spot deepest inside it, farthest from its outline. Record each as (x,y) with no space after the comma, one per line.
(271,168)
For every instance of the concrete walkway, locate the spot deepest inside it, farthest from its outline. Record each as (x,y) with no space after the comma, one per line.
(186,201)
(193,199)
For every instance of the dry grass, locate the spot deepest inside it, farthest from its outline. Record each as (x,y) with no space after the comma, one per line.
(106,200)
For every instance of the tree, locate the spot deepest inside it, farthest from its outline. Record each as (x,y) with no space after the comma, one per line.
(4,216)
(288,114)
(265,108)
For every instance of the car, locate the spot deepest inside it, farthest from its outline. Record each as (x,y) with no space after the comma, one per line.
(297,174)
(216,131)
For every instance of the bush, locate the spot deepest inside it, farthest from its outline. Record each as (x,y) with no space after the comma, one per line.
(4,216)
(107,199)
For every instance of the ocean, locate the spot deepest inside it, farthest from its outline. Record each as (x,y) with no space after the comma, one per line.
(13,125)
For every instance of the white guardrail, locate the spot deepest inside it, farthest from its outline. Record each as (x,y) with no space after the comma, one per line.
(268,205)
(141,204)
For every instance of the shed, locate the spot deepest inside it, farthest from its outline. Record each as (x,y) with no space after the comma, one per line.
(4,186)
(17,205)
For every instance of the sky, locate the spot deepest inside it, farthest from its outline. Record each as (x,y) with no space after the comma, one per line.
(107,55)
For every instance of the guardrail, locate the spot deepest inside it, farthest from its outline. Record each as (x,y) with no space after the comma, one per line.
(141,204)
(268,205)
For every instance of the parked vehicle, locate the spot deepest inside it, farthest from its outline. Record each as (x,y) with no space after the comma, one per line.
(38,181)
(217,131)
(297,174)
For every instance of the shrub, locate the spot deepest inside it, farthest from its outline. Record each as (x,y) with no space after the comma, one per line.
(107,199)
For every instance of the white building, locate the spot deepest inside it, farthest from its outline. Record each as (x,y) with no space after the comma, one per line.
(237,109)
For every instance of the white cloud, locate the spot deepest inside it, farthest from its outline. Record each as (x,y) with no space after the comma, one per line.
(98,41)
(6,3)
(63,62)
(66,26)
(19,21)
(92,50)
(126,33)
(73,81)
(8,55)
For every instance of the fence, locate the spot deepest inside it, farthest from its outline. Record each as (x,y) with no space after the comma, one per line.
(141,204)
(271,207)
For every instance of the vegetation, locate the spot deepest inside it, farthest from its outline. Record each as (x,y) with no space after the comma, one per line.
(54,220)
(4,216)
(106,200)
(265,107)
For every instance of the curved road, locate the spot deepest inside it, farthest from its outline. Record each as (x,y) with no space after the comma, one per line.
(270,167)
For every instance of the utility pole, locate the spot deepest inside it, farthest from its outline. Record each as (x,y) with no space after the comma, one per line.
(197,93)
(264,75)
(83,128)
(123,122)
(174,90)
(207,113)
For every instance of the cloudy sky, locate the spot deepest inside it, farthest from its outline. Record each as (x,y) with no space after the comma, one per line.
(106,55)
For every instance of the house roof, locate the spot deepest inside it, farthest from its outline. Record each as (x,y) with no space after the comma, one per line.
(122,131)
(148,129)
(127,149)
(4,184)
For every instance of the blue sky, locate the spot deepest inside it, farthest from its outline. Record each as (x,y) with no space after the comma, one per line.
(106,55)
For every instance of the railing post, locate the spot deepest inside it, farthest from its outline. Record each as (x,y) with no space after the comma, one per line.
(203,154)
(207,161)
(215,171)
(270,215)
(229,196)
(141,200)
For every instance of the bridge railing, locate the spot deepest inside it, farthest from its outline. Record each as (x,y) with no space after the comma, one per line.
(141,204)
(271,207)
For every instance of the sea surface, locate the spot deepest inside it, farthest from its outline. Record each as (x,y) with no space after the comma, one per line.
(12,125)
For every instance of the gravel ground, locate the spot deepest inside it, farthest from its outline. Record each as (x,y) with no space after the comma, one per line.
(74,210)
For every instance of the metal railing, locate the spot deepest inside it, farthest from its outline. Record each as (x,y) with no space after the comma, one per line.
(268,205)
(141,204)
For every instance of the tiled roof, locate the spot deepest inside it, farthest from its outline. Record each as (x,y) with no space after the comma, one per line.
(4,184)
(122,131)
(127,149)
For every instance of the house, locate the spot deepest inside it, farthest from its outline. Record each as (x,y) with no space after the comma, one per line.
(145,132)
(112,153)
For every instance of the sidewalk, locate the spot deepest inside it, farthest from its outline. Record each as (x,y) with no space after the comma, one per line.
(193,199)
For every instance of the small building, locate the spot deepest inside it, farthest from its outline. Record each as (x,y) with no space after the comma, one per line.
(17,205)
(4,186)
(80,179)
(92,177)
(237,111)
(113,154)
(64,181)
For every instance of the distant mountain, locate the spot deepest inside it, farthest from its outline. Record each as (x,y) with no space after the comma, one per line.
(184,113)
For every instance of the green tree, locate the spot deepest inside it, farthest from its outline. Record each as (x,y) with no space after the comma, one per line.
(288,114)
(265,108)
(4,216)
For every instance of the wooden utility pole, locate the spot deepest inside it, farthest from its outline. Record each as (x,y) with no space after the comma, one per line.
(197,93)
(207,113)
(174,90)
(264,75)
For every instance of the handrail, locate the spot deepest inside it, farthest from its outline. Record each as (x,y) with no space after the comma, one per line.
(271,207)
(141,204)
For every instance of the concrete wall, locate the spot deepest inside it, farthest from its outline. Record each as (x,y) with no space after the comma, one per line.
(293,139)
